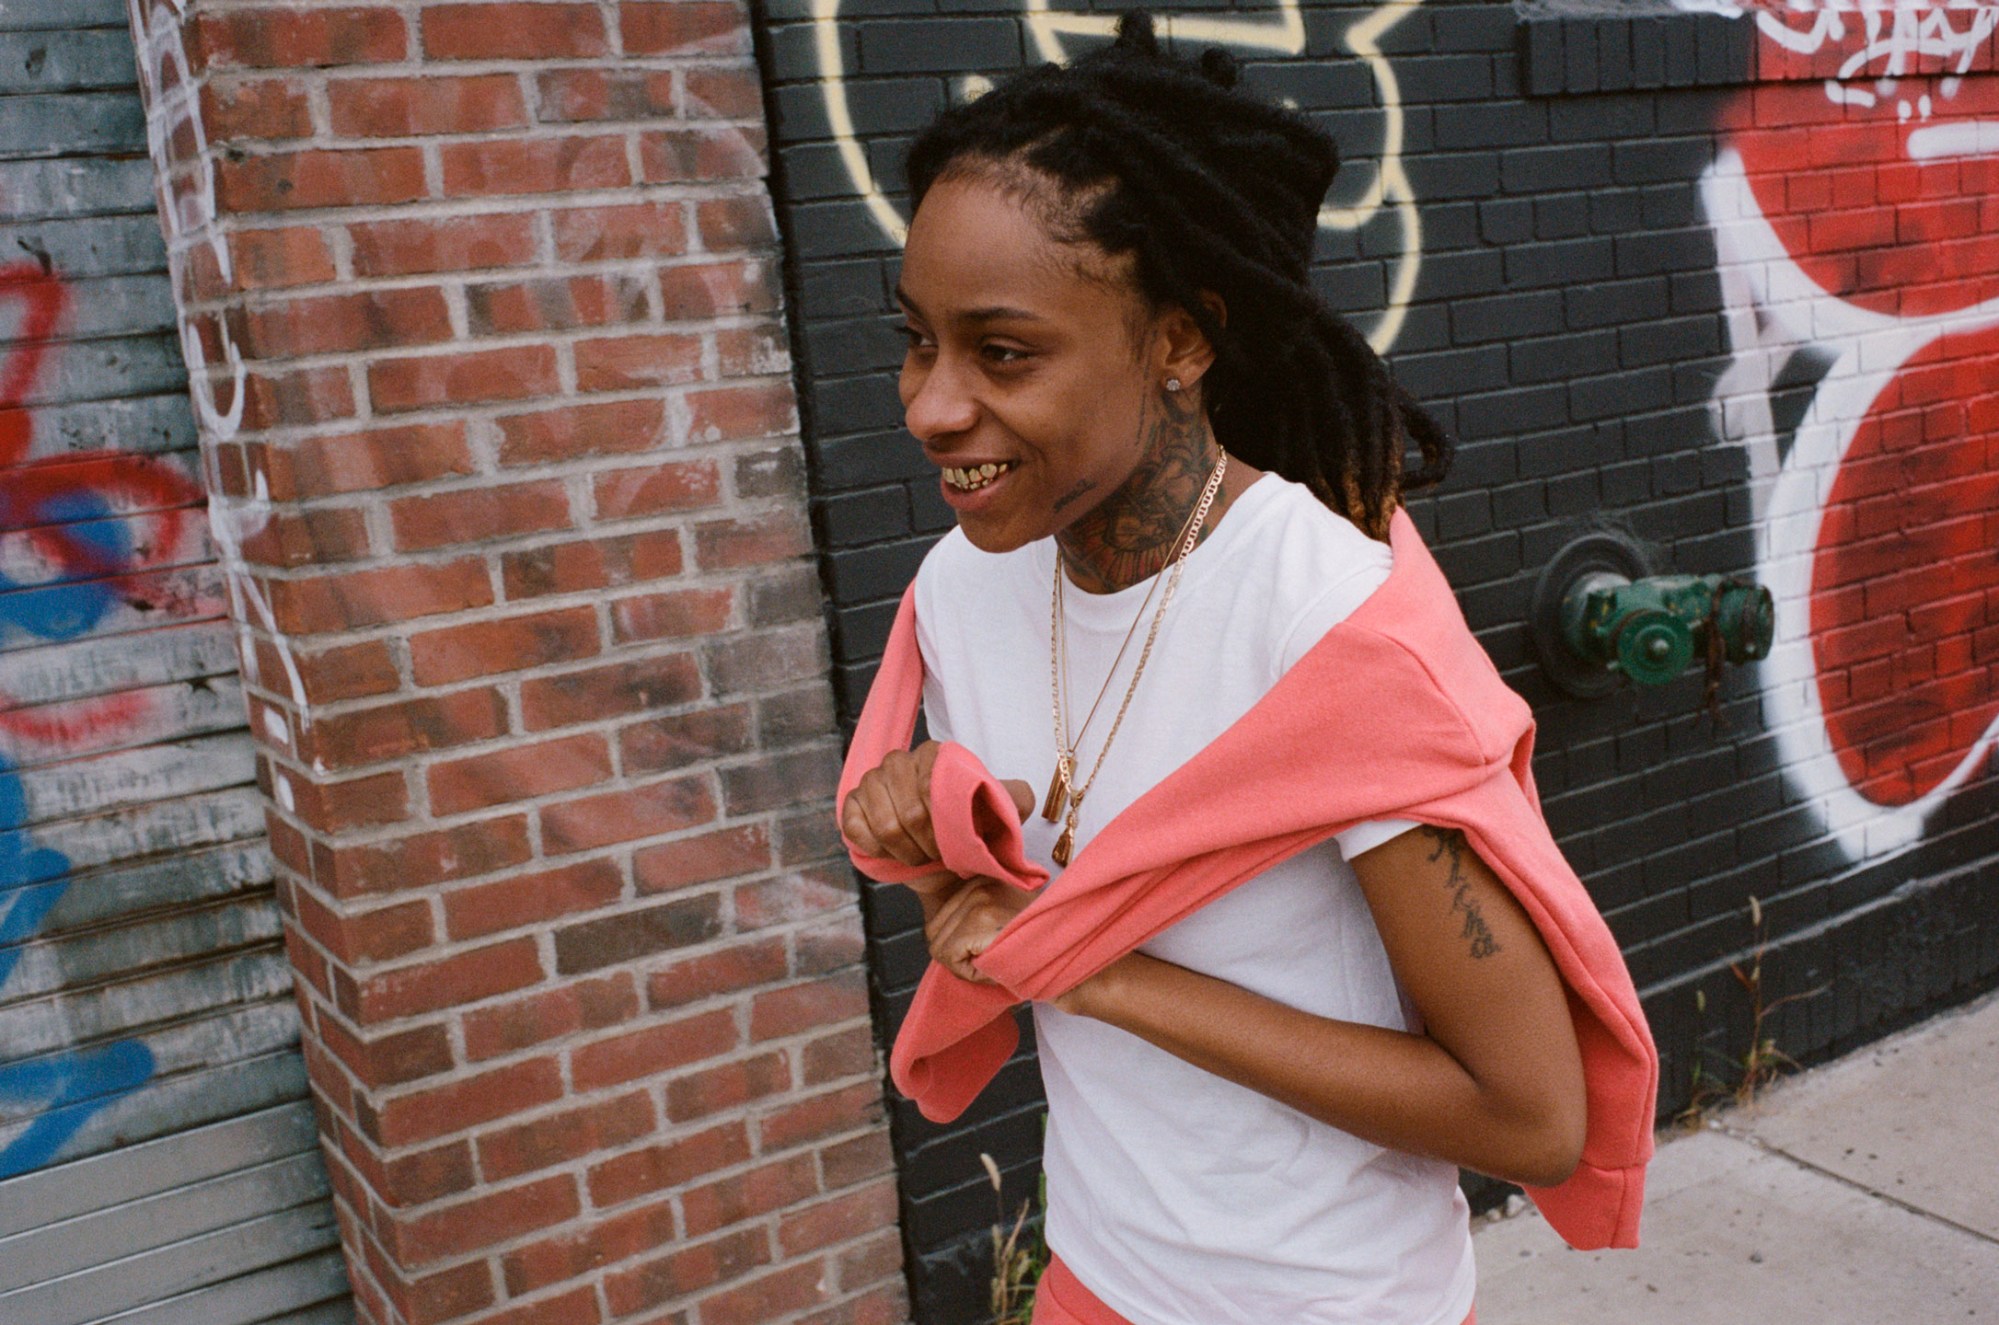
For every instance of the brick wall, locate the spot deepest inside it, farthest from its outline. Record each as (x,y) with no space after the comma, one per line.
(1705,279)
(481,313)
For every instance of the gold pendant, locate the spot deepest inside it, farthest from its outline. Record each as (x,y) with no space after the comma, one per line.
(1058,792)
(1064,845)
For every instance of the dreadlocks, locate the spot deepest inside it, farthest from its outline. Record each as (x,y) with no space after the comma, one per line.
(1216,195)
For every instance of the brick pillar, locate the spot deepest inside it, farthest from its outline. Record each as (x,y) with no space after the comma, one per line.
(481,309)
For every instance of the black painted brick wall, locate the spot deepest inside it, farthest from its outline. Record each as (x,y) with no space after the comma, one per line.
(1569,325)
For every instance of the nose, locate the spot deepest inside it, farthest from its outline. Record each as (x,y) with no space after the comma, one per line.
(936,399)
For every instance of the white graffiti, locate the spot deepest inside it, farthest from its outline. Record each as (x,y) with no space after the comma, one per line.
(1280,32)
(1896,34)
(189,218)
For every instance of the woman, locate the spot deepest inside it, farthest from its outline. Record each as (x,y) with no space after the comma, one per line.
(1175,474)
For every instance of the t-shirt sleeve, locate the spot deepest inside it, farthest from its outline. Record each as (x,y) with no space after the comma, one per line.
(936,717)
(1363,574)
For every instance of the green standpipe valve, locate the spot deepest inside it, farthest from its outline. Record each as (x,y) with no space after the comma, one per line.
(1599,614)
(1653,629)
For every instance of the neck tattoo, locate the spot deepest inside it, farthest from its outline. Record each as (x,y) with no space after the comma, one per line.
(1130,534)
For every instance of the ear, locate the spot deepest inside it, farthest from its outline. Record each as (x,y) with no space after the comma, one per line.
(1182,348)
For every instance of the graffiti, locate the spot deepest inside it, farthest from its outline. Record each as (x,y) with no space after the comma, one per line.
(1855,260)
(1280,32)
(178,142)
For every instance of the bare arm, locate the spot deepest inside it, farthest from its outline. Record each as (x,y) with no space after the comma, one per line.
(1495,1081)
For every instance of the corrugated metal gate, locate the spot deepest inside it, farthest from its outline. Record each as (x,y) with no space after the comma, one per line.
(157,1155)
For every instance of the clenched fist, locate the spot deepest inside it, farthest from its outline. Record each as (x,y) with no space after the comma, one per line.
(888,814)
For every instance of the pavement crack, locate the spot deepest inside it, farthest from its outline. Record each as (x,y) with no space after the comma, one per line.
(1861,1187)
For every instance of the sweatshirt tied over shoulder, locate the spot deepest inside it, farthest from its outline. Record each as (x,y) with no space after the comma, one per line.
(1395,713)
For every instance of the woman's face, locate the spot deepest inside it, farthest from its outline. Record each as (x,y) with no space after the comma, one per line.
(1028,355)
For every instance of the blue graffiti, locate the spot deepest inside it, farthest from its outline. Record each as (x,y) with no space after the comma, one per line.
(61,610)
(62,1090)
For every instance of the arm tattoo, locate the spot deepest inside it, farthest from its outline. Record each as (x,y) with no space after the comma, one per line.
(1450,842)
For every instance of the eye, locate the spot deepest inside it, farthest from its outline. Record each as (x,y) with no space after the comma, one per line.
(918,340)
(1001,354)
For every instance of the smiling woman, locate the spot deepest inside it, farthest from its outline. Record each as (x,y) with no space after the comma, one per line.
(1177,479)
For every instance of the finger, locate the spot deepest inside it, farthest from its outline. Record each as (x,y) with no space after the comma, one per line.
(884,817)
(1023,796)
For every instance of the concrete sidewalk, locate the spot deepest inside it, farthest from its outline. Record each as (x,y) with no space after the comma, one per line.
(1864,1192)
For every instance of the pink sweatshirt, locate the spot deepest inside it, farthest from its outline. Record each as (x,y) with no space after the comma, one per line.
(1396,713)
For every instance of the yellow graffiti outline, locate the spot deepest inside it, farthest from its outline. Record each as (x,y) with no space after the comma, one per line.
(1390,187)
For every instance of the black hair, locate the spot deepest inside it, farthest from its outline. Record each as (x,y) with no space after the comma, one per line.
(1213,191)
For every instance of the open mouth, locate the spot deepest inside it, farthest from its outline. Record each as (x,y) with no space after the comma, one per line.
(974,477)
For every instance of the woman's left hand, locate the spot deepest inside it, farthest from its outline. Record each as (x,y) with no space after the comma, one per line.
(967,924)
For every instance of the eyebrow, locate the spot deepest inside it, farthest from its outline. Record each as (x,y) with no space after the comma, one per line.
(991,313)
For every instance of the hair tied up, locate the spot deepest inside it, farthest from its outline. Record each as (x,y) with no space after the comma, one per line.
(1138,37)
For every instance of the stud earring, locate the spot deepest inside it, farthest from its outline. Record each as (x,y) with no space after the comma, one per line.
(1172,384)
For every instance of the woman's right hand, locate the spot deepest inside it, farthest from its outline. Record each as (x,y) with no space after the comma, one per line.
(888,814)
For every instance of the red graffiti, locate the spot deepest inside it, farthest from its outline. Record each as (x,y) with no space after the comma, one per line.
(1905,587)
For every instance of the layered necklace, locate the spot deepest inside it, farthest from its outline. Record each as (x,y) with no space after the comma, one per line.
(1064,800)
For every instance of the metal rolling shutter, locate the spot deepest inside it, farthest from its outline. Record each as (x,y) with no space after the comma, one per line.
(158,1161)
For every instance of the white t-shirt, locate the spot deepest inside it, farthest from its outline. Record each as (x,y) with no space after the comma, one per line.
(1177,1197)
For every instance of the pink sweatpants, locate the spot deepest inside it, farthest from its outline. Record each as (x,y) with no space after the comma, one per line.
(1062,1300)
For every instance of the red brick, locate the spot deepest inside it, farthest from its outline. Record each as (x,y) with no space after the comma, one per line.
(549,1014)
(749,351)
(522,772)
(585,564)
(821,1116)
(416,1178)
(357,938)
(879,1262)
(509,644)
(620,816)
(836,1220)
(751,1194)
(434,103)
(798,1008)
(573,432)
(847,1053)
(673,1164)
(629,363)
(656,489)
(849,1162)
(652,1050)
(828,947)
(534,165)
(576,1307)
(343,323)
(544,1142)
(273,259)
(674,615)
(740,221)
(754,540)
(557,303)
(474,515)
(404,727)
(571,96)
(364,802)
(388,1060)
(702,154)
(686,1270)
(389,595)
(482,1221)
(798,895)
(727,1086)
(612,1239)
(608,690)
(371,461)
(447,982)
(768,1297)
(262,108)
(457,243)
(321,177)
(632,230)
(717,974)
(696,292)
(731,413)
(423,859)
(445,1296)
(721,854)
(427,381)
(294,399)
(668,741)
(269,38)
(513,31)
(684,27)
(637,934)
(457,1106)
(723,94)
(320,536)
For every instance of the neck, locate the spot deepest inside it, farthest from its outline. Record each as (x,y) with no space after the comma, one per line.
(1132,533)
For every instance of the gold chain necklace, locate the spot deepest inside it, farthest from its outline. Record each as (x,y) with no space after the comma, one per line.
(1063,787)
